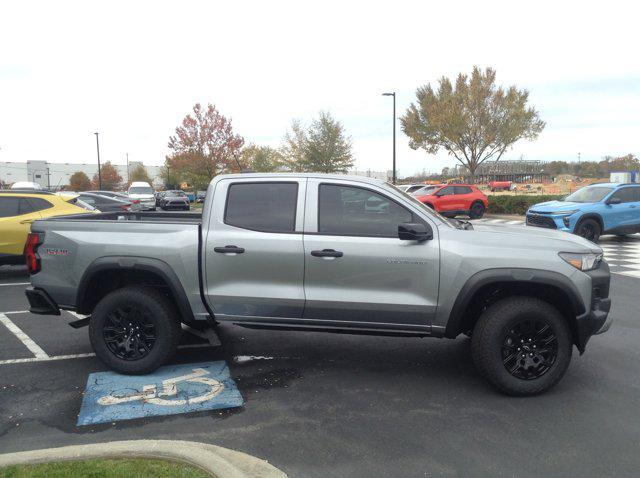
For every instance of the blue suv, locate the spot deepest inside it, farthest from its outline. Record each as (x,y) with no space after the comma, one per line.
(605,208)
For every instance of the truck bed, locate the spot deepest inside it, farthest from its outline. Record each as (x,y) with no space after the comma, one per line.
(76,243)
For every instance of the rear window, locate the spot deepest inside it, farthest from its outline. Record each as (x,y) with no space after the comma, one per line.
(39,204)
(265,207)
(141,190)
(9,206)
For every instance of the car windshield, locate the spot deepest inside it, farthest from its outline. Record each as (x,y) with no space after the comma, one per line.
(589,194)
(424,207)
(176,193)
(140,190)
(425,191)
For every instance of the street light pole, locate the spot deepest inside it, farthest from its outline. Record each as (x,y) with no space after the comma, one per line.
(128,179)
(99,172)
(393,180)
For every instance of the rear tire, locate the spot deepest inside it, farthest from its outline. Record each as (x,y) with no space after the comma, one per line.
(589,229)
(476,211)
(522,346)
(134,330)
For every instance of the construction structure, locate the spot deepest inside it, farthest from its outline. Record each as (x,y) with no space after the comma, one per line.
(517,171)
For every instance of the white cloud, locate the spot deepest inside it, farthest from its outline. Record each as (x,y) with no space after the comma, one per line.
(132,70)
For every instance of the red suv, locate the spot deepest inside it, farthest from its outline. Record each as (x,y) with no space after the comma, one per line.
(454,199)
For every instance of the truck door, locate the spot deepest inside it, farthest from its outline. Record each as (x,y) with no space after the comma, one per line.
(357,270)
(254,258)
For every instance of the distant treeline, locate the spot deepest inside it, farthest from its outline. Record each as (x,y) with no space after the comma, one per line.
(582,169)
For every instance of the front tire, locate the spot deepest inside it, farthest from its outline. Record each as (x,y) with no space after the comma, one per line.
(522,346)
(134,330)
(589,229)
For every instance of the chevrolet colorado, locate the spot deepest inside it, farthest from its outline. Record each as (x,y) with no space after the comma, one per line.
(310,252)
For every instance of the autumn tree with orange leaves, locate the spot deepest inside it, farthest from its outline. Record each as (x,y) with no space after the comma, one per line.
(111,179)
(204,145)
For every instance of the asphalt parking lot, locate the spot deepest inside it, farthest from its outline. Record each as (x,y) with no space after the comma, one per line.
(318,405)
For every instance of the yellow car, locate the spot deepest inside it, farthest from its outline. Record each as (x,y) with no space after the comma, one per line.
(19,209)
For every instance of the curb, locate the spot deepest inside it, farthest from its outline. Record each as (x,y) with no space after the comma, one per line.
(220,462)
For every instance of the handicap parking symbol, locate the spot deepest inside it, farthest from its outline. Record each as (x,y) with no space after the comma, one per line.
(171,390)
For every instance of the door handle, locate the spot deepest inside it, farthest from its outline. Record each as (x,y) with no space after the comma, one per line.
(26,221)
(327,253)
(229,249)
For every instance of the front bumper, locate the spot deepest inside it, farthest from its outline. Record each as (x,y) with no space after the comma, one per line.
(596,320)
(549,221)
(40,302)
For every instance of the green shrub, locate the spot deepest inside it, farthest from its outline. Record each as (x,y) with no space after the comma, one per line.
(506,204)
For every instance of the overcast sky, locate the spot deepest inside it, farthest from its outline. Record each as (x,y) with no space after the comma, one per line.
(131,70)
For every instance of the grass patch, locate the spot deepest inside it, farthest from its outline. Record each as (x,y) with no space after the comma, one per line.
(503,204)
(112,468)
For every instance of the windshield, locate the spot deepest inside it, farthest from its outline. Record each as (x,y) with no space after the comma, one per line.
(422,206)
(140,190)
(589,194)
(176,193)
(425,191)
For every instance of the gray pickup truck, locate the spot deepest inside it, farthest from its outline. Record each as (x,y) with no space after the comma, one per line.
(330,253)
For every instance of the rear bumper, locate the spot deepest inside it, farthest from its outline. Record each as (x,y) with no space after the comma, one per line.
(40,302)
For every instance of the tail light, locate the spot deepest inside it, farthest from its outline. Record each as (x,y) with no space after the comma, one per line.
(135,201)
(125,207)
(34,240)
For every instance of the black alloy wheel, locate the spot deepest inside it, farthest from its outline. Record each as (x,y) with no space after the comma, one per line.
(128,333)
(529,349)
(589,229)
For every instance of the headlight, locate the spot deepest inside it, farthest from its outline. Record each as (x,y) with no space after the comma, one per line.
(564,213)
(583,262)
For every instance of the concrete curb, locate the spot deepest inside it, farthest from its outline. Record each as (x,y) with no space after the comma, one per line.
(220,462)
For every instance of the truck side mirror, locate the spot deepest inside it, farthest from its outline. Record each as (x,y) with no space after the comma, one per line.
(614,201)
(410,231)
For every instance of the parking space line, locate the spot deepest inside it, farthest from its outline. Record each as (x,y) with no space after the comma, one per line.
(24,338)
(11,284)
(50,358)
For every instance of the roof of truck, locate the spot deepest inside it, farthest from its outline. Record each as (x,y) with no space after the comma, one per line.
(301,175)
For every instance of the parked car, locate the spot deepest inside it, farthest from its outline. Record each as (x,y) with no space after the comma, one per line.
(453,200)
(111,194)
(499,186)
(200,195)
(18,209)
(144,193)
(302,252)
(26,185)
(409,188)
(174,199)
(104,203)
(606,208)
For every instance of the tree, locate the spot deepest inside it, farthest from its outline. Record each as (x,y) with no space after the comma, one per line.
(323,147)
(170,177)
(111,180)
(79,181)
(139,173)
(261,159)
(473,121)
(204,146)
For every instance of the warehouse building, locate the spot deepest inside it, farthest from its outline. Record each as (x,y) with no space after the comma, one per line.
(56,175)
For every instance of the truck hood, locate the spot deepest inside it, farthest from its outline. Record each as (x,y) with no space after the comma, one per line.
(555,206)
(537,237)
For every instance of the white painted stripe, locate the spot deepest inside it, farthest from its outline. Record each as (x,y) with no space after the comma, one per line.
(15,312)
(11,284)
(45,359)
(49,358)
(24,338)
(516,222)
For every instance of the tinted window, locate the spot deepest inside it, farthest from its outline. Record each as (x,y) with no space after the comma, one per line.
(625,195)
(9,206)
(446,191)
(39,204)
(410,189)
(463,190)
(88,200)
(351,211)
(268,207)
(141,190)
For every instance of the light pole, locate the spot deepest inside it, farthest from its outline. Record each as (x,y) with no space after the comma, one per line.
(99,172)
(393,180)
(128,180)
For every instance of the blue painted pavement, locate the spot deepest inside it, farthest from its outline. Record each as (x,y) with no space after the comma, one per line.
(170,390)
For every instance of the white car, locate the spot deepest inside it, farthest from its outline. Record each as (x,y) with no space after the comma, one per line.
(144,193)
(409,188)
(27,185)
